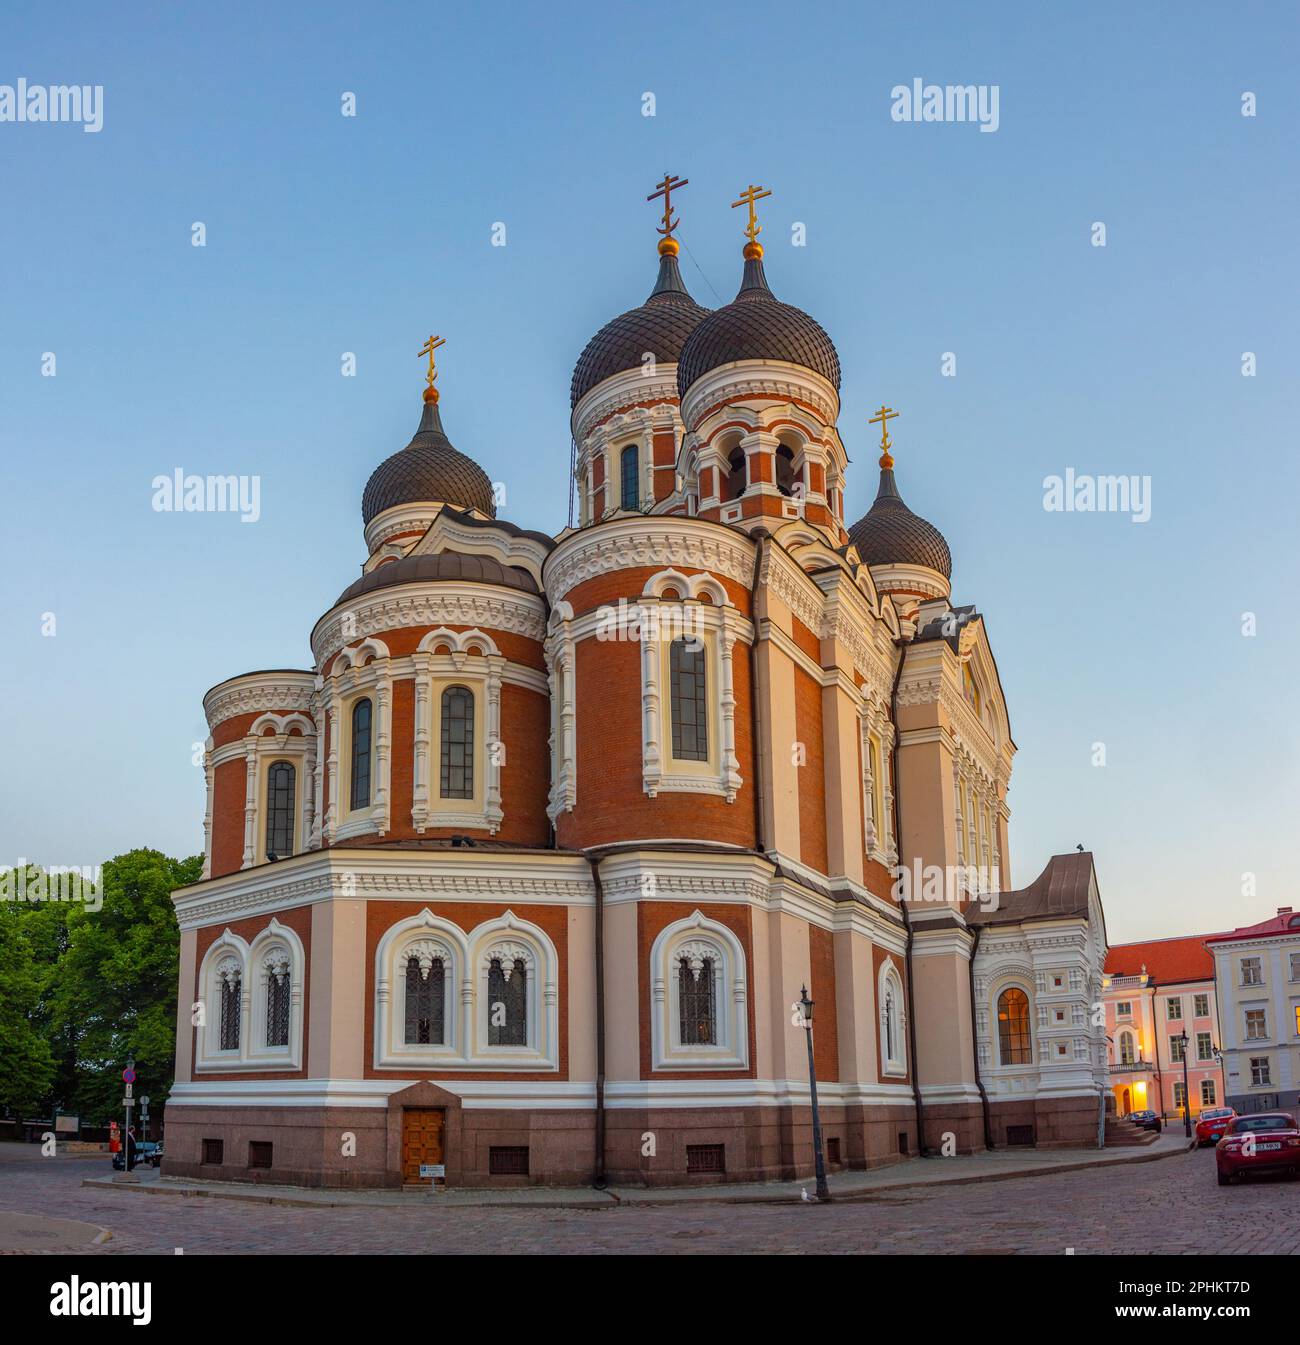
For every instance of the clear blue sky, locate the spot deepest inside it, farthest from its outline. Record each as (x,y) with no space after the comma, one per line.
(327,234)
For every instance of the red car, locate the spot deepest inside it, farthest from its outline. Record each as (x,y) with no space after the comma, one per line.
(1268,1142)
(1212,1125)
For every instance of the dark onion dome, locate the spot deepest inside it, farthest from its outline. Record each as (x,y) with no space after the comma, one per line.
(429,470)
(454,565)
(660,326)
(756,325)
(889,533)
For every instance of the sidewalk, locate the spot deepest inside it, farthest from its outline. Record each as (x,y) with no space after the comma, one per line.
(1001,1165)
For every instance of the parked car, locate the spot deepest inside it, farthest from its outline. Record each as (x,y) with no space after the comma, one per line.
(1267,1142)
(1145,1120)
(1212,1124)
(148,1154)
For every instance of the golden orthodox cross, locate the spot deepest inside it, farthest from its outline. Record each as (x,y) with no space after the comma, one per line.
(669,185)
(748,197)
(428,348)
(882,418)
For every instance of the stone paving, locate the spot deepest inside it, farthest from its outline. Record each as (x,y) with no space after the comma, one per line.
(1171,1205)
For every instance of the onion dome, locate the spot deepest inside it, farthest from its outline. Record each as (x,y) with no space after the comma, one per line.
(660,326)
(889,533)
(757,326)
(428,470)
(450,565)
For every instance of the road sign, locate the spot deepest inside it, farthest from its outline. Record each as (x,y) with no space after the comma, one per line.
(130,1089)
(128,1102)
(128,1076)
(144,1099)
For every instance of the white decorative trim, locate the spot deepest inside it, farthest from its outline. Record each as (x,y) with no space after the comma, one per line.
(563,740)
(429,934)
(286,690)
(767,379)
(889,989)
(698,938)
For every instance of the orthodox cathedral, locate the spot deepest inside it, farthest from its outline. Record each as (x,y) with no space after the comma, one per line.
(527,875)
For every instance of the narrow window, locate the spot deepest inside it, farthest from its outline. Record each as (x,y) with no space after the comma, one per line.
(890,1027)
(629,468)
(785,471)
(280,792)
(1207,1093)
(1125,1048)
(735,475)
(689,708)
(229,1029)
(698,1003)
(457,743)
(425,998)
(507,1004)
(361,754)
(1013,1027)
(277,1003)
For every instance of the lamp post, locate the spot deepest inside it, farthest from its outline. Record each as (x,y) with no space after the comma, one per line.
(806,1006)
(1187,1097)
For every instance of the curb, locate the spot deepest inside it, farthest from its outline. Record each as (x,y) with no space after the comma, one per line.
(610,1200)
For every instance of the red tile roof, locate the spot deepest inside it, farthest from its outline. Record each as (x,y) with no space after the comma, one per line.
(1284,922)
(1167,960)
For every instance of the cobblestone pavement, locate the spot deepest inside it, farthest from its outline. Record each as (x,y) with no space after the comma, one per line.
(1173,1205)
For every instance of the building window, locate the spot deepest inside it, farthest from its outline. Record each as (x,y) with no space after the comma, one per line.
(1208,1095)
(1260,1076)
(876,802)
(228,1039)
(1014,1045)
(970,688)
(1297,1020)
(213,1153)
(697,1001)
(629,468)
(785,470)
(1295,966)
(1256,1025)
(892,1022)
(259,1153)
(277,1000)
(1174,1008)
(457,744)
(1201,1008)
(689,709)
(360,793)
(1251,972)
(1124,1009)
(507,1003)
(1126,1048)
(1176,1050)
(426,984)
(1204,1046)
(280,792)
(706,1158)
(735,483)
(508,1160)
(1180,1095)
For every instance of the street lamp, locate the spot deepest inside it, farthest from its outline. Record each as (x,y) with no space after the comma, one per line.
(1187,1097)
(823,1191)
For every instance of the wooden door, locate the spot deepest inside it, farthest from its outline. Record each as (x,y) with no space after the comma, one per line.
(421,1141)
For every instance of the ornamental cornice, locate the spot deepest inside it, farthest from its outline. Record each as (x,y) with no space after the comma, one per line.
(257,692)
(630,390)
(793,587)
(429,604)
(639,542)
(743,379)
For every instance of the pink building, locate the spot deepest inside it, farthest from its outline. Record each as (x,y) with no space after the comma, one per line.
(1154,993)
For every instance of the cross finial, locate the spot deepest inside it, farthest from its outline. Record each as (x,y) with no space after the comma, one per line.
(670,184)
(753,228)
(432,344)
(882,418)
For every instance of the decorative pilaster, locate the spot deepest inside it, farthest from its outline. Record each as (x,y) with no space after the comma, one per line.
(420,783)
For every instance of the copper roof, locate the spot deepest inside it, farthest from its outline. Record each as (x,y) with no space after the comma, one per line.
(889,533)
(1060,891)
(447,565)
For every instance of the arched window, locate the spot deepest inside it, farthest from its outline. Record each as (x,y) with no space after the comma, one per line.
(1014,1045)
(231,977)
(629,468)
(735,486)
(277,999)
(1126,1048)
(426,983)
(971,687)
(697,1000)
(892,1013)
(687,700)
(507,1003)
(891,1024)
(280,792)
(785,469)
(361,754)
(457,744)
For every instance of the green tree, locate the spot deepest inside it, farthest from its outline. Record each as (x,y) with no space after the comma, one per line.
(27,1064)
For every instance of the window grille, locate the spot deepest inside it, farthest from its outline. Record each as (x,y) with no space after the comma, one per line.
(230,997)
(259,1153)
(706,1158)
(425,1002)
(214,1152)
(277,1005)
(507,1004)
(1020,1134)
(508,1160)
(697,993)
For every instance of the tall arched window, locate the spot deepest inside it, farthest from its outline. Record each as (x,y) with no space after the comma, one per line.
(425,1000)
(231,978)
(361,714)
(280,792)
(735,486)
(457,744)
(277,1000)
(688,705)
(629,468)
(891,1024)
(507,1003)
(1126,1048)
(697,1000)
(785,469)
(1014,1044)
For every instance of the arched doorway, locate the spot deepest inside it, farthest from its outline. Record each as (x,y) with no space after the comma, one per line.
(1126,1105)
